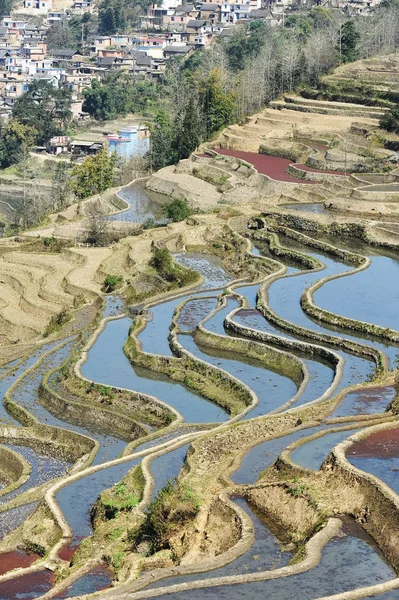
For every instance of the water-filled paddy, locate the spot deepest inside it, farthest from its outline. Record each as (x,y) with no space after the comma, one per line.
(311,455)
(378,454)
(263,555)
(108,364)
(350,560)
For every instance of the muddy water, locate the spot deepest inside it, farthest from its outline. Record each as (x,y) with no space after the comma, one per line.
(356,368)
(195,311)
(166,467)
(108,364)
(113,306)
(27,587)
(14,517)
(371,295)
(98,578)
(350,560)
(316,208)
(365,402)
(15,559)
(378,454)
(154,338)
(272,389)
(311,455)
(210,267)
(26,396)
(44,468)
(263,555)
(10,377)
(264,455)
(143,205)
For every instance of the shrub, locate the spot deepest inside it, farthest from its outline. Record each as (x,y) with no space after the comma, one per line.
(177,210)
(48,241)
(173,506)
(175,274)
(390,120)
(57,321)
(111,282)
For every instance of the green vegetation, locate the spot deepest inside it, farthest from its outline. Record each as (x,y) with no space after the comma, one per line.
(111,17)
(390,121)
(117,560)
(173,506)
(33,547)
(45,108)
(57,321)
(208,108)
(177,210)
(118,94)
(163,263)
(121,499)
(111,282)
(348,42)
(67,33)
(94,175)
(104,390)
(16,138)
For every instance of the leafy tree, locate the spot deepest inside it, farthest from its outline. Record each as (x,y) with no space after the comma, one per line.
(62,35)
(188,128)
(94,175)
(44,107)
(111,17)
(111,282)
(348,42)
(15,139)
(242,47)
(5,7)
(162,152)
(117,94)
(218,106)
(177,210)
(301,24)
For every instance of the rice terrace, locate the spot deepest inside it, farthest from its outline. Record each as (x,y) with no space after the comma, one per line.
(200,364)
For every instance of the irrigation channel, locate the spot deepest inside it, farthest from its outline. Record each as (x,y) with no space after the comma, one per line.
(211,325)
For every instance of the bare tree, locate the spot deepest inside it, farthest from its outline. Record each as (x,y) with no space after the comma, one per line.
(97,225)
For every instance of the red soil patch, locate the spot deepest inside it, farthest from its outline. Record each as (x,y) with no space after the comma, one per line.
(368,398)
(382,444)
(67,551)
(15,559)
(27,586)
(273,167)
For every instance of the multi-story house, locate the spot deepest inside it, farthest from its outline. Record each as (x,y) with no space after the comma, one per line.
(55,17)
(38,6)
(210,12)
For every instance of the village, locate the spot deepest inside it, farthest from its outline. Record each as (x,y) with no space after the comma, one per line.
(164,32)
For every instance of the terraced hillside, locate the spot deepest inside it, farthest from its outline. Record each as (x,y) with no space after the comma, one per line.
(224,423)
(221,411)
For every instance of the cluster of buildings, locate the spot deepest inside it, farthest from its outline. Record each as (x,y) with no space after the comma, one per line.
(179,30)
